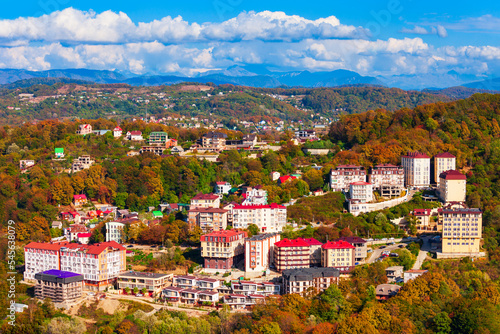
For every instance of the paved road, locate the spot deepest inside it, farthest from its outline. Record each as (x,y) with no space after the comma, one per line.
(422,255)
(377,252)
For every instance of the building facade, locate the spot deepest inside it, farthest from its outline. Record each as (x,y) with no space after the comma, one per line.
(154,283)
(361,191)
(158,138)
(304,280)
(443,162)
(291,254)
(462,229)
(221,250)
(60,286)
(388,179)
(452,186)
(84,129)
(417,168)
(208,219)
(338,254)
(115,231)
(344,175)
(269,218)
(259,251)
(83,162)
(361,250)
(222,188)
(205,201)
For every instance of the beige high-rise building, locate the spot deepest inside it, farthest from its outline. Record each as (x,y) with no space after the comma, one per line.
(462,229)
(338,254)
(221,250)
(452,186)
(342,176)
(443,162)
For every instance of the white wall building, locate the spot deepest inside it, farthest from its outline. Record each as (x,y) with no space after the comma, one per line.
(222,188)
(344,175)
(115,232)
(417,168)
(254,196)
(259,251)
(269,218)
(361,191)
(443,162)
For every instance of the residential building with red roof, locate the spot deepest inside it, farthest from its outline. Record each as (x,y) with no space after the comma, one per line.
(417,168)
(388,179)
(269,218)
(117,132)
(442,162)
(134,135)
(100,263)
(342,176)
(361,191)
(452,186)
(221,250)
(291,254)
(79,200)
(425,221)
(285,178)
(259,252)
(222,188)
(205,201)
(254,195)
(361,250)
(84,129)
(208,219)
(338,254)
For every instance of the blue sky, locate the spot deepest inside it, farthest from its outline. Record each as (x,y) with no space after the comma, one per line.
(393,38)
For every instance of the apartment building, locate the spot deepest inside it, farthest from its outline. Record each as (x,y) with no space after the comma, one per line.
(342,176)
(388,179)
(158,138)
(314,251)
(84,129)
(239,302)
(60,286)
(338,254)
(115,231)
(99,264)
(306,134)
(71,233)
(222,188)
(193,282)
(452,186)
(255,288)
(462,229)
(205,201)
(134,135)
(190,296)
(81,163)
(221,250)
(417,168)
(208,219)
(443,162)
(154,283)
(254,196)
(361,250)
(259,251)
(269,218)
(303,280)
(155,149)
(426,223)
(361,192)
(214,140)
(290,254)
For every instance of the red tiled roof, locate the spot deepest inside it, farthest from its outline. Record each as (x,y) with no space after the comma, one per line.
(117,129)
(220,183)
(341,244)
(311,241)
(352,240)
(135,133)
(386,166)
(46,245)
(292,243)
(224,233)
(348,166)
(80,197)
(254,207)
(361,183)
(213,210)
(285,178)
(84,235)
(452,175)
(96,248)
(444,155)
(206,196)
(422,212)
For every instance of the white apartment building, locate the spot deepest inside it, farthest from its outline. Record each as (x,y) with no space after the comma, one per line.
(443,162)
(254,196)
(222,188)
(388,179)
(259,251)
(269,218)
(452,186)
(361,191)
(344,175)
(99,264)
(417,168)
(115,232)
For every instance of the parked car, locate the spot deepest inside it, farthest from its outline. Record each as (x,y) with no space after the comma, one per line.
(139,295)
(130,246)
(392,243)
(394,255)
(402,246)
(369,250)
(356,263)
(382,247)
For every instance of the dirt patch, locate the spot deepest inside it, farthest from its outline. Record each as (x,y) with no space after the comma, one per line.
(110,306)
(194,88)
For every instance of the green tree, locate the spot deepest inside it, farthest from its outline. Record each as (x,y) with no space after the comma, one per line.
(253,229)
(441,323)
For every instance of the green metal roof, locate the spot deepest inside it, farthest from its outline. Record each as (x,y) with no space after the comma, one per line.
(59,150)
(157,214)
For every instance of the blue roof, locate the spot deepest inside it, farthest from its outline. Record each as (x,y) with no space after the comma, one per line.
(60,273)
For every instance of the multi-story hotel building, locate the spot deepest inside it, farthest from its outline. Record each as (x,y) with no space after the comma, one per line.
(214,140)
(344,175)
(221,250)
(269,218)
(338,254)
(452,186)
(154,283)
(361,250)
(361,192)
(208,219)
(205,201)
(99,264)
(59,286)
(314,251)
(388,179)
(115,231)
(158,138)
(462,228)
(303,280)
(443,162)
(259,251)
(417,168)
(290,254)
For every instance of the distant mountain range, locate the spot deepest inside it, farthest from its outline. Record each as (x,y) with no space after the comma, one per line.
(253,76)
